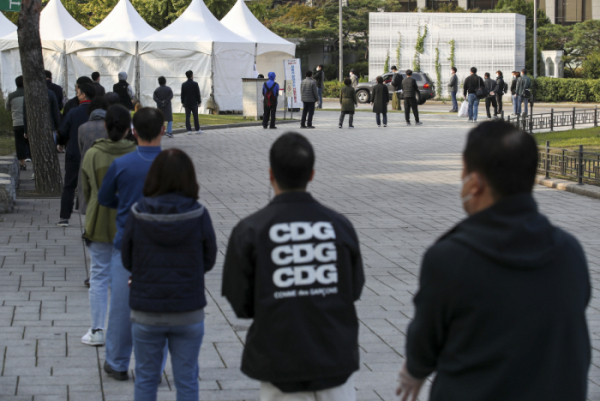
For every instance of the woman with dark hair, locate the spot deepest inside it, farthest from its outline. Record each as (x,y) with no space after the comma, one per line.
(379,100)
(162,96)
(168,245)
(100,221)
(348,102)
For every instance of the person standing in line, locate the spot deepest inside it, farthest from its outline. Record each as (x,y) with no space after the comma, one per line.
(100,91)
(168,234)
(348,103)
(15,103)
(302,302)
(163,96)
(125,91)
(191,100)
(491,87)
(89,133)
(69,132)
(504,292)
(453,89)
(320,78)
(270,93)
(74,102)
(379,101)
(100,221)
(122,186)
(310,96)
(523,91)
(513,90)
(56,89)
(397,85)
(470,87)
(354,78)
(410,89)
(499,90)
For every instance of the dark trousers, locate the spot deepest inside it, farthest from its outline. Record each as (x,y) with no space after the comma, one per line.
(20,142)
(454,102)
(411,102)
(350,119)
(378,119)
(69,187)
(269,114)
(491,101)
(309,109)
(499,100)
(194,111)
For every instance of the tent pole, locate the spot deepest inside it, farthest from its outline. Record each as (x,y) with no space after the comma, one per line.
(212,73)
(65,72)
(137,72)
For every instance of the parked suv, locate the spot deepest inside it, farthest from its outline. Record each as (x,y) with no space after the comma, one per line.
(364,90)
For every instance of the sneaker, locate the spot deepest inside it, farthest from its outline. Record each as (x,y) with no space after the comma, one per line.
(86,282)
(408,123)
(451,111)
(33,176)
(340,127)
(28,160)
(310,127)
(303,126)
(350,126)
(379,126)
(384,125)
(121,376)
(23,167)
(93,337)
(272,127)
(469,120)
(63,223)
(198,132)
(265,127)
(169,135)
(419,123)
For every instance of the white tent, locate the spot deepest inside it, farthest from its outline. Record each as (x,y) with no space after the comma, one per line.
(197,41)
(110,47)
(8,29)
(271,49)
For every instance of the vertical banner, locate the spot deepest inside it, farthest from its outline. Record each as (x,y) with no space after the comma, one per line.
(294,73)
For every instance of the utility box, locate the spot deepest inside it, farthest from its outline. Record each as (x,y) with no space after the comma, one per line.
(253,97)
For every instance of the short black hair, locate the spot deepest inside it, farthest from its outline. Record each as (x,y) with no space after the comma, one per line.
(394,68)
(162,80)
(292,159)
(95,75)
(118,121)
(379,79)
(99,102)
(308,73)
(524,71)
(148,123)
(453,69)
(408,73)
(111,98)
(486,75)
(19,81)
(83,80)
(506,156)
(88,90)
(474,70)
(320,65)
(347,81)
(172,172)
(48,74)
(189,74)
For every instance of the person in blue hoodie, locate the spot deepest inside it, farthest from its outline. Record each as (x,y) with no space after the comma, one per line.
(271,93)
(168,245)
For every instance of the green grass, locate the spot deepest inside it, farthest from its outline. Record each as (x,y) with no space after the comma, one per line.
(589,138)
(212,119)
(7,145)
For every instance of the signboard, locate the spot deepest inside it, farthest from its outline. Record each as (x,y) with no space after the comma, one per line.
(294,74)
(289,88)
(10,5)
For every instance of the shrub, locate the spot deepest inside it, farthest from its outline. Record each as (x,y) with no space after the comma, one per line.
(332,89)
(6,126)
(567,90)
(591,66)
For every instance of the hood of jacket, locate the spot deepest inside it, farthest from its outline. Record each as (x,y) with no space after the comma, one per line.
(271,80)
(114,148)
(97,114)
(170,216)
(122,76)
(511,232)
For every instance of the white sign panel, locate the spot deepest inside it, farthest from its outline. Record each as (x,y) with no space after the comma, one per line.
(294,74)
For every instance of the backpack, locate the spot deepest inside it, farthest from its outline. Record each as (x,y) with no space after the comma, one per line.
(269,96)
(482,92)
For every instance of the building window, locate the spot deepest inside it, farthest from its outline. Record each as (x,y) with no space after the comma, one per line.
(570,12)
(435,4)
(483,4)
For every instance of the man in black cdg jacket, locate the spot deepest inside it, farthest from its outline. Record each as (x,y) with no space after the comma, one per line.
(191,100)
(500,311)
(295,268)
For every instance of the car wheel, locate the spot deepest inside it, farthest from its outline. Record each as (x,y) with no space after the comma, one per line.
(363,96)
(419,98)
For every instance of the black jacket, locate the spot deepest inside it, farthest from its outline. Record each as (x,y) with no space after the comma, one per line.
(490,85)
(397,81)
(513,86)
(69,130)
(380,98)
(120,88)
(499,89)
(409,87)
(100,91)
(472,83)
(168,245)
(70,105)
(500,311)
(58,92)
(295,268)
(54,110)
(319,76)
(190,94)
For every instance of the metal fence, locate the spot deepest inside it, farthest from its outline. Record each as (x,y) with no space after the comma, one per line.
(577,164)
(556,119)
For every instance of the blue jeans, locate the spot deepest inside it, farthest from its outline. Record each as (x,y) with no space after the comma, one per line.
(473,106)
(454,102)
(378,120)
(525,101)
(100,253)
(170,127)
(184,344)
(517,104)
(320,93)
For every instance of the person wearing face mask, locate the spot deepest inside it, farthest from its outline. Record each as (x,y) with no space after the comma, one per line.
(500,310)
(499,90)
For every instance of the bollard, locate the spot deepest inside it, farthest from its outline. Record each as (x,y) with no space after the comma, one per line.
(551,119)
(502,114)
(518,120)
(596,116)
(531,123)
(580,169)
(573,122)
(547,159)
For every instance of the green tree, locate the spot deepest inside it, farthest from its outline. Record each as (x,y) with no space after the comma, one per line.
(586,39)
(591,66)
(556,37)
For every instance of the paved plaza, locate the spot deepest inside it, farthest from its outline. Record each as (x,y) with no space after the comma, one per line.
(398,185)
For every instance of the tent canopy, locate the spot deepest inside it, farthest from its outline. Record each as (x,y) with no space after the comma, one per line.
(196,30)
(241,21)
(120,30)
(6,27)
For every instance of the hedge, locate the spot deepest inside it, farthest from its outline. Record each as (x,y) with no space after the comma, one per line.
(332,89)
(567,90)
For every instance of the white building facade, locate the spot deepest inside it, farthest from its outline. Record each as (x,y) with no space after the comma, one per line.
(489,42)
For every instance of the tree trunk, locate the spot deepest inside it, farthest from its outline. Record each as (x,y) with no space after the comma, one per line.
(39,132)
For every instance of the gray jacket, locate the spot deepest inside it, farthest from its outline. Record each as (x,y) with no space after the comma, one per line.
(162,96)
(15,102)
(89,133)
(453,84)
(523,83)
(308,89)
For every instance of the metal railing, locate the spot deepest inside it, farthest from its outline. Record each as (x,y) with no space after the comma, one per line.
(577,164)
(556,119)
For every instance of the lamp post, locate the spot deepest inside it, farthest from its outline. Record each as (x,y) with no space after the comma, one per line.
(535,66)
(341,46)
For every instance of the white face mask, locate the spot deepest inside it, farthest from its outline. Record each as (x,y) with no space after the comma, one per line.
(467,197)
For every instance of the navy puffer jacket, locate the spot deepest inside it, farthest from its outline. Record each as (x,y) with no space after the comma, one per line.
(168,245)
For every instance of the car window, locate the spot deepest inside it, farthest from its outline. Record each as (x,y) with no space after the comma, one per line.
(418,77)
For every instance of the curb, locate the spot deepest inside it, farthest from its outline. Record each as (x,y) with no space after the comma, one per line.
(565,185)
(226,126)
